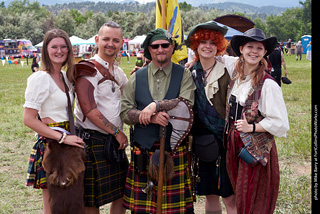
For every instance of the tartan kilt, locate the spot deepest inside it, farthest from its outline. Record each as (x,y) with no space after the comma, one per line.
(36,176)
(104,181)
(177,194)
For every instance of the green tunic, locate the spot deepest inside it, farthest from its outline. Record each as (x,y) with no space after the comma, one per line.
(159,81)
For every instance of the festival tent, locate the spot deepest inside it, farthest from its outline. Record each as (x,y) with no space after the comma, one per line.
(39,45)
(136,42)
(77,41)
(91,41)
(231,32)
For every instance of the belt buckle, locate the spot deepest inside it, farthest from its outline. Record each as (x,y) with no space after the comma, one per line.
(85,135)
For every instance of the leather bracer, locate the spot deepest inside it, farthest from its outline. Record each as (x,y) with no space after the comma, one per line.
(133,115)
(166,105)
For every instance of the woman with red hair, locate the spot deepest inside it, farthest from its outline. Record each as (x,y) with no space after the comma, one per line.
(212,79)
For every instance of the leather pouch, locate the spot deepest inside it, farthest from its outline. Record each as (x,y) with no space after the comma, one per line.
(111,151)
(247,157)
(206,147)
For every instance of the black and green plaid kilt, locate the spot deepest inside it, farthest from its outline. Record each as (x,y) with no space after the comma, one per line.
(36,176)
(104,181)
(177,197)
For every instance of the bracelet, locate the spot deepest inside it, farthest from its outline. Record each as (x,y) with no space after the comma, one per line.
(63,137)
(254,128)
(116,132)
(157,105)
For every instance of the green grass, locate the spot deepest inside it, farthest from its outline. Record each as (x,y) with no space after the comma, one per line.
(295,150)
(16,142)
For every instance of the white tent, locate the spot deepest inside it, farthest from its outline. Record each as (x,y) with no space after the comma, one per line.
(77,41)
(91,41)
(39,45)
(136,42)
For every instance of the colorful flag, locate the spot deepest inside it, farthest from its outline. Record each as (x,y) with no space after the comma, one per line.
(173,25)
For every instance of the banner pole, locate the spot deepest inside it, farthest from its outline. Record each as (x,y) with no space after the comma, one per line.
(163,12)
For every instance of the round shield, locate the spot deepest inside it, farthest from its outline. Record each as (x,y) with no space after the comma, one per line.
(181,119)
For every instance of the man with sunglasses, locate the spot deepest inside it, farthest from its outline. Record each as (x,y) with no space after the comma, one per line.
(149,93)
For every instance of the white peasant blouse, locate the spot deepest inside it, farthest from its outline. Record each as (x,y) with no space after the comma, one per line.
(44,95)
(271,102)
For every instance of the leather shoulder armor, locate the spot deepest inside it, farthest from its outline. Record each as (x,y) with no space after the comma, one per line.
(85,68)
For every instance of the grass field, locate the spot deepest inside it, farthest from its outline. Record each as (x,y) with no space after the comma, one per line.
(16,142)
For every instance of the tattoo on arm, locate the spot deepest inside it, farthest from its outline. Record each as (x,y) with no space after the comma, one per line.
(107,123)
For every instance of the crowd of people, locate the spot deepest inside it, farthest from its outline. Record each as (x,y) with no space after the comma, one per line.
(238,110)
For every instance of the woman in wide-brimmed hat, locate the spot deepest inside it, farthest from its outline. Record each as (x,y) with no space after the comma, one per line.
(212,79)
(256,112)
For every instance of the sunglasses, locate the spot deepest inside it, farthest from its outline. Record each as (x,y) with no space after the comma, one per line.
(156,46)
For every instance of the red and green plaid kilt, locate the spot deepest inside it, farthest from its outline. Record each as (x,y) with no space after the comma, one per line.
(104,181)
(177,195)
(36,176)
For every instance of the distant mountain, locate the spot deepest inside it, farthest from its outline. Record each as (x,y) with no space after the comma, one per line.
(244,8)
(256,3)
(135,7)
(46,2)
(252,8)
(103,7)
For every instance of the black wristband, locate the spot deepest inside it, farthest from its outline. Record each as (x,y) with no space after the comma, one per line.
(254,128)
(157,105)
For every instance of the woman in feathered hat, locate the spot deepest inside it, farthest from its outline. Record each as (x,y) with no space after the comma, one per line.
(256,112)
(212,79)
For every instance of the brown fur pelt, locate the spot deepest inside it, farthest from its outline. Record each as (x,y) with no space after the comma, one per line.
(64,166)
(168,168)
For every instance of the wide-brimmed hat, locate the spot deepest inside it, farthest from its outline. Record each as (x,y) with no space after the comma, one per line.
(253,35)
(210,25)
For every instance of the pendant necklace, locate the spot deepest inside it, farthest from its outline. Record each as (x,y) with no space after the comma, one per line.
(113,89)
(204,77)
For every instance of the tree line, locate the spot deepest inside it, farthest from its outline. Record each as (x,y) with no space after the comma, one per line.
(29,20)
